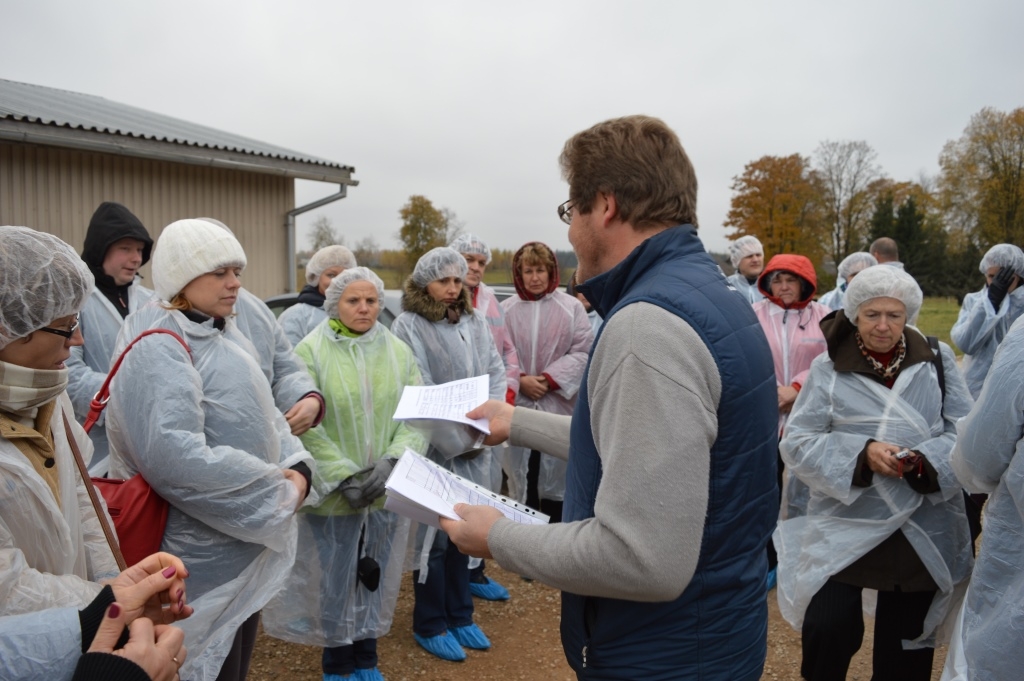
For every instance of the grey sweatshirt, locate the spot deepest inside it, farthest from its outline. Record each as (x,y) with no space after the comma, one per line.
(654,391)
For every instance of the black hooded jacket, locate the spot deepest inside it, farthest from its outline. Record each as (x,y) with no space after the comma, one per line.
(109,224)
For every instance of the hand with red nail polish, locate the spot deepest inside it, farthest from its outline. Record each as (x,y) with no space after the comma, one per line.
(158,649)
(155,588)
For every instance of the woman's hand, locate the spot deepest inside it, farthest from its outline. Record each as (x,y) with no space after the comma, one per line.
(158,649)
(534,387)
(882,459)
(302,414)
(787,396)
(146,587)
(299,480)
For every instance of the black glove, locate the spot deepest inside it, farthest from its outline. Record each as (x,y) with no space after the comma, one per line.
(373,487)
(471,454)
(351,489)
(1000,286)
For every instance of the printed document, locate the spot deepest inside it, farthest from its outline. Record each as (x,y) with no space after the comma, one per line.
(421,490)
(448,401)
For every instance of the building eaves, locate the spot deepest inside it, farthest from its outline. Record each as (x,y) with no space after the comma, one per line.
(40,114)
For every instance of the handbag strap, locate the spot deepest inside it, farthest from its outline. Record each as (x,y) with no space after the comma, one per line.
(99,402)
(91,489)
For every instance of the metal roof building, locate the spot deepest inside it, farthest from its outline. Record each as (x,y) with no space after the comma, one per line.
(63,153)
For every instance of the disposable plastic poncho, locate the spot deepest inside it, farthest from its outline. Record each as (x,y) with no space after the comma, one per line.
(288,378)
(447,352)
(51,552)
(204,432)
(299,320)
(362,380)
(979,330)
(989,457)
(88,365)
(749,291)
(832,419)
(552,336)
(41,646)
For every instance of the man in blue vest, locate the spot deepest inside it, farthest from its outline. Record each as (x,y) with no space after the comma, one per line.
(670,488)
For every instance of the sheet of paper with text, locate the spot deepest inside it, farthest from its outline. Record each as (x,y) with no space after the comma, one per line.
(422,490)
(448,401)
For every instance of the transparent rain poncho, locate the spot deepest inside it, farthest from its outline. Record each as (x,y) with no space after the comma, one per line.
(832,419)
(552,336)
(447,352)
(989,458)
(362,380)
(41,646)
(52,550)
(980,328)
(299,320)
(89,363)
(288,378)
(41,279)
(206,435)
(850,266)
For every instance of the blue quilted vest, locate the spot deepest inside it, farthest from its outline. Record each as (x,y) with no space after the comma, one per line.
(717,628)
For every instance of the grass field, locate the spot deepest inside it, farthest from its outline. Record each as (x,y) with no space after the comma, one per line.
(937,317)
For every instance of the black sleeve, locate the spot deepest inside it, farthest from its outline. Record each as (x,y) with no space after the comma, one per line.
(925,479)
(108,667)
(862,473)
(90,617)
(303,468)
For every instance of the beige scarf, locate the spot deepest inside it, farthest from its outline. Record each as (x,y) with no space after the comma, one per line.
(23,390)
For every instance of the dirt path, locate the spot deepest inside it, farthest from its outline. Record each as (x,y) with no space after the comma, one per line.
(524,634)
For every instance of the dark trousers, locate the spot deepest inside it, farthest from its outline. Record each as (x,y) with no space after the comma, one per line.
(444,600)
(834,629)
(344,660)
(773,556)
(548,507)
(236,664)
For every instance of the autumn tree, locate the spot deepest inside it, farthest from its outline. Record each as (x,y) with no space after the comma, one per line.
(982,179)
(775,200)
(423,228)
(845,172)
(324,234)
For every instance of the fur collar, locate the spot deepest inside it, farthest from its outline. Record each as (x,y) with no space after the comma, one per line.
(415,299)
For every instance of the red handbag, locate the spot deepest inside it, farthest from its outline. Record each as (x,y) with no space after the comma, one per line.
(139,513)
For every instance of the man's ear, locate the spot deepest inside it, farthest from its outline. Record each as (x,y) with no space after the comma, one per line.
(608,208)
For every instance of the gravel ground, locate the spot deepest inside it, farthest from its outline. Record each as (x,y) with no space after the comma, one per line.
(525,644)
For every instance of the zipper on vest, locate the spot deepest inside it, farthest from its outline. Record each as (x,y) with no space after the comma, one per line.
(584,657)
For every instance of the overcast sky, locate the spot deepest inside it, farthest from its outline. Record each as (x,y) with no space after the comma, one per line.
(469,103)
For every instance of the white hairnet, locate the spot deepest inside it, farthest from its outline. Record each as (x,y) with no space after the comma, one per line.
(1003,255)
(326,257)
(439,263)
(468,243)
(880,281)
(854,263)
(41,279)
(742,247)
(333,293)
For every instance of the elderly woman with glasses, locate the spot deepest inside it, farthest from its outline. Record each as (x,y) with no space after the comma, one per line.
(870,434)
(53,552)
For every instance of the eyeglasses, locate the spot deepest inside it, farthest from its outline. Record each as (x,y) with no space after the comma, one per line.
(66,333)
(565,212)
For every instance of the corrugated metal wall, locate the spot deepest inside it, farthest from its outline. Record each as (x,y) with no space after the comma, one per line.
(56,190)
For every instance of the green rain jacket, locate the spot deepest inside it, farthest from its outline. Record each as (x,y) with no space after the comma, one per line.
(361,379)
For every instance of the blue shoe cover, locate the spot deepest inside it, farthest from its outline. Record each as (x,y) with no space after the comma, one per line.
(338,677)
(470,636)
(443,646)
(368,675)
(769,580)
(490,590)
